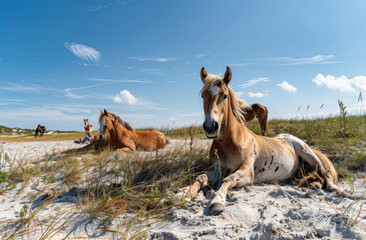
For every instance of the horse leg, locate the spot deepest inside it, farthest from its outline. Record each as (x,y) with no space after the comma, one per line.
(214,177)
(128,145)
(124,150)
(200,182)
(320,163)
(242,177)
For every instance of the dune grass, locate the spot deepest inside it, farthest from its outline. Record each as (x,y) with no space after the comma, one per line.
(127,193)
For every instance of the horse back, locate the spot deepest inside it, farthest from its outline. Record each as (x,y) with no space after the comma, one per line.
(150,140)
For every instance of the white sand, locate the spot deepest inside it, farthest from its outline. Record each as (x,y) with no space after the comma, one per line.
(255,212)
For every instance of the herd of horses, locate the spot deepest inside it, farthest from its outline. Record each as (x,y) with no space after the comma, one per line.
(247,156)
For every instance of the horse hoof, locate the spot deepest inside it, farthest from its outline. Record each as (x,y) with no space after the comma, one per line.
(216,209)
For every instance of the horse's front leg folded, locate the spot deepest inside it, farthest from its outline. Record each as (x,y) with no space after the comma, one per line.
(124,150)
(242,177)
(201,181)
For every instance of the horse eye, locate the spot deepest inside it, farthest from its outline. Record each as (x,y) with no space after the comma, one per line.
(225,96)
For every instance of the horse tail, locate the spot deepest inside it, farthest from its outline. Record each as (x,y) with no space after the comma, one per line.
(265,121)
(316,180)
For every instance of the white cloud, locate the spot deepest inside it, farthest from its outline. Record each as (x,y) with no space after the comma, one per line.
(255,95)
(201,55)
(153,59)
(318,59)
(360,82)
(254,81)
(287,87)
(341,83)
(125,97)
(239,94)
(84,52)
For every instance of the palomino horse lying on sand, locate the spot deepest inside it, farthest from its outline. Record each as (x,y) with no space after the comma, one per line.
(250,112)
(40,129)
(123,137)
(249,156)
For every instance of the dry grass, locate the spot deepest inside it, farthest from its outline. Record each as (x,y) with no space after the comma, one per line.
(58,136)
(125,193)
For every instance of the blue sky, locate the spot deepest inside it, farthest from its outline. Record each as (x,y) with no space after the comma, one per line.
(62,61)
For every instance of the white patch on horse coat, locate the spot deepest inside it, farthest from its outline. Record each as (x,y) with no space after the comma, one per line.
(101,130)
(214,90)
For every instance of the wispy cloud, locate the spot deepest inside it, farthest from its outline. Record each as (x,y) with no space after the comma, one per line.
(287,87)
(240,64)
(84,52)
(12,100)
(102,6)
(154,59)
(342,83)
(69,94)
(201,55)
(117,80)
(125,97)
(318,59)
(194,114)
(25,88)
(254,82)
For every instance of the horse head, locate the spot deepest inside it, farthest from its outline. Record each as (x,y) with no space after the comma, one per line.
(217,98)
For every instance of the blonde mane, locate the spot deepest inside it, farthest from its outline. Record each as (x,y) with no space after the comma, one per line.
(237,105)
(120,121)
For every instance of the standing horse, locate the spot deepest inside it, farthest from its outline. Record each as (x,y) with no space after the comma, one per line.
(88,128)
(250,112)
(258,111)
(40,129)
(248,156)
(122,136)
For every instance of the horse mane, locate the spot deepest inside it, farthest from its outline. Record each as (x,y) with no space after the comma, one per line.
(238,106)
(120,121)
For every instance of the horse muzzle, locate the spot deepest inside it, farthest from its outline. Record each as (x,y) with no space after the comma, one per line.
(211,129)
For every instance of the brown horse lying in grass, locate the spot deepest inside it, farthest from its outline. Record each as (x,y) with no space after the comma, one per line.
(250,112)
(248,156)
(40,129)
(122,136)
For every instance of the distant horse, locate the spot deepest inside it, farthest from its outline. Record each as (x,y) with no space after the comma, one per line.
(248,156)
(122,136)
(258,111)
(41,130)
(88,128)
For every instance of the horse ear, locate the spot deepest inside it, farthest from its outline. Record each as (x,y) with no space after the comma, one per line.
(203,74)
(101,112)
(228,75)
(105,112)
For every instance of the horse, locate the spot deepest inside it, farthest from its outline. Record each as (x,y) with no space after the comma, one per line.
(40,129)
(258,111)
(125,138)
(88,128)
(250,157)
